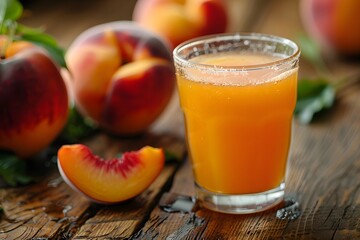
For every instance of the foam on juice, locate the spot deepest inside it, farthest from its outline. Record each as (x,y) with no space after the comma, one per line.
(238,69)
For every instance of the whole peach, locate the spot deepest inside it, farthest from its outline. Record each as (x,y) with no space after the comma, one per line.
(123,76)
(179,21)
(33,99)
(333,23)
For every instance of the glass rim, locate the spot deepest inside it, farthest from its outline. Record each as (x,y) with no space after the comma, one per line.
(238,36)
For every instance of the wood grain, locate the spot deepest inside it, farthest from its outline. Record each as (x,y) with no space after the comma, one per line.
(50,209)
(39,210)
(323,175)
(124,220)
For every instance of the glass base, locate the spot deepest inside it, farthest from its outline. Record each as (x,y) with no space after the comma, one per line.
(239,204)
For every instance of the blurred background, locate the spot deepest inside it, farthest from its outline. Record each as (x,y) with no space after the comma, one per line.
(66,19)
(324,30)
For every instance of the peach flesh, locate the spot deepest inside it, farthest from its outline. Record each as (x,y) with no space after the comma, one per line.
(109,181)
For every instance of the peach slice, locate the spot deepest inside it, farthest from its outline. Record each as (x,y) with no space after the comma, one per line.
(109,181)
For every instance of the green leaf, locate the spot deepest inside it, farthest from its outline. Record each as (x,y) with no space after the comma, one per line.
(56,53)
(36,33)
(314,96)
(10,9)
(13,169)
(43,40)
(171,157)
(311,51)
(309,88)
(77,128)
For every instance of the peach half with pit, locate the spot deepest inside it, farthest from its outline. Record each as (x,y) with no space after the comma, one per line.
(33,98)
(109,181)
(122,76)
(178,21)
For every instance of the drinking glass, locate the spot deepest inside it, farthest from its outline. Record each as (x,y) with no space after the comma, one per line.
(238,93)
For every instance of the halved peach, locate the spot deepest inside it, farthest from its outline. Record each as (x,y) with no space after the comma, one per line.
(109,181)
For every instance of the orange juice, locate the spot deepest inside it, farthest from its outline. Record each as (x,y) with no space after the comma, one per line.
(238,126)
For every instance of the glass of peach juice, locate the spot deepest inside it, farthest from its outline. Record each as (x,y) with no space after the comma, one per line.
(238,93)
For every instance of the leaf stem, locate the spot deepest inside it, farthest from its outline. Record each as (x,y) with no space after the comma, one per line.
(10,30)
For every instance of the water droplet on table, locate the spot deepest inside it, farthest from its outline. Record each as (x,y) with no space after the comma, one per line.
(171,203)
(55,182)
(290,211)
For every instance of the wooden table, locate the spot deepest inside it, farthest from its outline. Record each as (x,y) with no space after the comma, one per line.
(323,171)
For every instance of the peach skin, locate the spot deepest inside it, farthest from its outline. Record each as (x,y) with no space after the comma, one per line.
(178,21)
(33,100)
(331,23)
(109,181)
(123,76)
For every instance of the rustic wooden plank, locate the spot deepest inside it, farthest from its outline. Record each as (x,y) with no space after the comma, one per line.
(50,209)
(330,146)
(39,210)
(123,220)
(162,224)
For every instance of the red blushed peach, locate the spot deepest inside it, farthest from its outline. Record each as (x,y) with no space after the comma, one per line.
(333,23)
(109,181)
(122,76)
(179,21)
(33,100)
